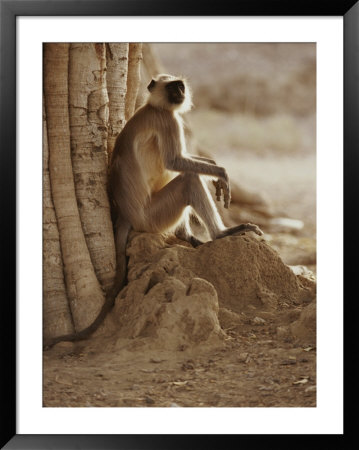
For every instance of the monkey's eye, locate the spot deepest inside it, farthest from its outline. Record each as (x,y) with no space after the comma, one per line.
(176,86)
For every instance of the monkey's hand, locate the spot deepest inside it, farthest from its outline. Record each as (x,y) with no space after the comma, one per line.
(220,186)
(217,184)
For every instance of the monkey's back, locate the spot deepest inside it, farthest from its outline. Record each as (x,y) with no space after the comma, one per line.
(137,169)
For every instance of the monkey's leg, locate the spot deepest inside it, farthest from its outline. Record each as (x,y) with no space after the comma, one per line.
(202,202)
(184,230)
(167,206)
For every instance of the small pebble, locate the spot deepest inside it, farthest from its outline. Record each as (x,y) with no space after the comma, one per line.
(258,321)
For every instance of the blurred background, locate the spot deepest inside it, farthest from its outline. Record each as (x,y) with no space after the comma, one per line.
(255,114)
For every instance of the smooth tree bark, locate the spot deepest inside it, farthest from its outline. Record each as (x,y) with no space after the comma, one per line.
(89,113)
(117,64)
(84,291)
(133,78)
(56,311)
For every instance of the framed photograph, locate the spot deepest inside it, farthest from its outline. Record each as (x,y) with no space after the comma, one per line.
(234,339)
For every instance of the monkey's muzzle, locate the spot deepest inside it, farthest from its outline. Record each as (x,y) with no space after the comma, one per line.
(176,92)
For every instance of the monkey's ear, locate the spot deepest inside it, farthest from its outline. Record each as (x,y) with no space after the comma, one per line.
(151,85)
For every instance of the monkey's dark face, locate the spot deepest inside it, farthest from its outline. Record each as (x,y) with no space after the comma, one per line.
(170,93)
(175,92)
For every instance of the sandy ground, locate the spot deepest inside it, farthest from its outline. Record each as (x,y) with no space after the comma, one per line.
(252,369)
(255,366)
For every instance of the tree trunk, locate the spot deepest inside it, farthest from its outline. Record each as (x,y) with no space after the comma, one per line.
(56,311)
(117,62)
(151,60)
(88,111)
(84,291)
(133,78)
(150,67)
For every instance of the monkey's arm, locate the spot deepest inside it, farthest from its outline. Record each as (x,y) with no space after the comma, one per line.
(202,158)
(185,164)
(218,184)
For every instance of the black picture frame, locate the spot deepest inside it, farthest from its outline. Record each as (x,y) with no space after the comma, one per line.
(9,10)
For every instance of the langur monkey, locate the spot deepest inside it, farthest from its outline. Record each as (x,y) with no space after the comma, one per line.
(153,181)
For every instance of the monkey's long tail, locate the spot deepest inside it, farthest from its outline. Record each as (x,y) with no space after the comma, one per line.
(121,235)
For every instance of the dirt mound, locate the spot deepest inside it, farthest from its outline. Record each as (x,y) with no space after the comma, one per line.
(226,324)
(177,296)
(303,330)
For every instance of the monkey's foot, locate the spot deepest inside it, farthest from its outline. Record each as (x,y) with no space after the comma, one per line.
(241,229)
